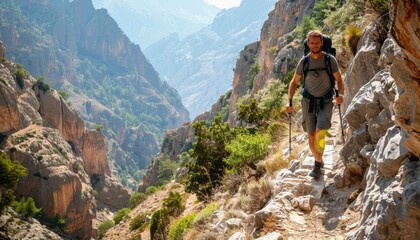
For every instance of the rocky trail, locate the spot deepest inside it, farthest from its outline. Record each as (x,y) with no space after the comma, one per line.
(315,209)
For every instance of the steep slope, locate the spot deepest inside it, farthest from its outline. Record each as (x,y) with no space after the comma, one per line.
(200,66)
(65,162)
(145,22)
(110,82)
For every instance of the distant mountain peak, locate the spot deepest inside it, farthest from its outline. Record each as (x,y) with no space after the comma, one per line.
(145,22)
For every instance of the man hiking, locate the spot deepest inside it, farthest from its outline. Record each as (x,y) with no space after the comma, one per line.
(320,72)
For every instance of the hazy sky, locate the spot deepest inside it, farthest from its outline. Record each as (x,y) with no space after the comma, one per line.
(224,3)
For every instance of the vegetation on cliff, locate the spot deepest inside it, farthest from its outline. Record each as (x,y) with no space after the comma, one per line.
(10,173)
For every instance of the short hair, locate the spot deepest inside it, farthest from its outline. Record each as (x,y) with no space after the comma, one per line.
(314,33)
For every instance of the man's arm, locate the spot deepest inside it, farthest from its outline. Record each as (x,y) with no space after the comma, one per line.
(292,89)
(340,85)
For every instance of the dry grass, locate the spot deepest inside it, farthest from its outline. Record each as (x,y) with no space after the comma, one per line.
(231,182)
(275,163)
(352,37)
(255,194)
(270,225)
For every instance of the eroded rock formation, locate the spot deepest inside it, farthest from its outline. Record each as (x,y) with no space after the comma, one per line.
(63,159)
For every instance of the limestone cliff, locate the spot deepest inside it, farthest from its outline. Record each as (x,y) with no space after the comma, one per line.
(65,162)
(110,82)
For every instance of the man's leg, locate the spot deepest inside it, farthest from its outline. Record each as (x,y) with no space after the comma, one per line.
(316,141)
(320,143)
(317,146)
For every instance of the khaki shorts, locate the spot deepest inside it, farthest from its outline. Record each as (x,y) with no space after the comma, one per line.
(320,118)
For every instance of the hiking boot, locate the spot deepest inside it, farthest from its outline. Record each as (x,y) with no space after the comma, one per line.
(316,172)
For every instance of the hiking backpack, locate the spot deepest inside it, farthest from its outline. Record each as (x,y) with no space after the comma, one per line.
(329,50)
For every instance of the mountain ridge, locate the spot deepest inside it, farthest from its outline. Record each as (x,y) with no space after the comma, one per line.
(82,50)
(139,22)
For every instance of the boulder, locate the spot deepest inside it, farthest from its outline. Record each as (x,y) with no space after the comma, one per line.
(353,161)
(112,193)
(390,207)
(271,236)
(304,203)
(389,153)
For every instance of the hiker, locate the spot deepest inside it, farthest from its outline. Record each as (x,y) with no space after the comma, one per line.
(318,94)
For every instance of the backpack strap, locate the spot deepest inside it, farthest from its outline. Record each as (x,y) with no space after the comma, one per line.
(305,68)
(329,70)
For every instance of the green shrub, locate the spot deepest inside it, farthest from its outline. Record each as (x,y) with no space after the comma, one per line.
(381,7)
(251,113)
(65,95)
(173,204)
(121,214)
(205,173)
(306,25)
(26,207)
(136,199)
(10,173)
(98,127)
(159,223)
(247,149)
(272,101)
(104,227)
(139,222)
(42,85)
(58,224)
(166,170)
(19,76)
(6,198)
(344,15)
(179,227)
(289,77)
(322,8)
(204,214)
(252,72)
(150,190)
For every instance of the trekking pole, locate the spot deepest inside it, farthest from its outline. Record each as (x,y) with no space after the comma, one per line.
(290,128)
(341,120)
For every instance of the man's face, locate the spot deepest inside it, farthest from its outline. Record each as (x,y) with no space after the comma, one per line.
(315,44)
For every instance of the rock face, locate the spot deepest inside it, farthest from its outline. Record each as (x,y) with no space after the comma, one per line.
(56,180)
(94,154)
(406,70)
(65,162)
(390,202)
(57,114)
(364,65)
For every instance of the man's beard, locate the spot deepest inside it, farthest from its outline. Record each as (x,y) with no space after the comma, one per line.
(319,50)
